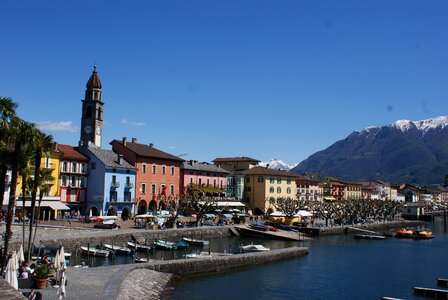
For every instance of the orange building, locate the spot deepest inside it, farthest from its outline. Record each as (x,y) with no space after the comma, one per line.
(157,183)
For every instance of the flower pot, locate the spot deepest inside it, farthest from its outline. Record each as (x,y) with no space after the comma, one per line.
(41,283)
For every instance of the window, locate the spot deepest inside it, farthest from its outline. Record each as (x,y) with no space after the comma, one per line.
(279,180)
(163,170)
(73,181)
(127,196)
(214,182)
(221,184)
(260,179)
(83,168)
(208,181)
(172,170)
(73,167)
(93,165)
(64,166)
(153,189)
(143,188)
(279,190)
(271,190)
(191,180)
(143,168)
(47,162)
(153,169)
(248,179)
(271,180)
(128,181)
(114,179)
(163,189)
(83,182)
(172,189)
(288,181)
(64,181)
(200,181)
(113,196)
(288,190)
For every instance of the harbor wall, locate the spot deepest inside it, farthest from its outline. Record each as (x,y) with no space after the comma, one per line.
(73,242)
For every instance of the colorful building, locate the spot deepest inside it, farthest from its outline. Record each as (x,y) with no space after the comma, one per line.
(73,177)
(203,174)
(309,189)
(158,174)
(111,183)
(262,183)
(352,191)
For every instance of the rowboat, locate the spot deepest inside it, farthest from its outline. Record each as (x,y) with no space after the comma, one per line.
(140,260)
(182,245)
(94,251)
(139,247)
(196,242)
(254,248)
(165,245)
(117,249)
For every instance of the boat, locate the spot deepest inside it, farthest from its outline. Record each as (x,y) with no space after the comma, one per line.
(139,260)
(117,249)
(254,248)
(182,244)
(422,235)
(95,251)
(404,233)
(258,226)
(139,247)
(369,237)
(196,242)
(197,255)
(165,245)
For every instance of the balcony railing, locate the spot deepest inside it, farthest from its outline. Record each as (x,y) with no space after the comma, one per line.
(115,185)
(129,185)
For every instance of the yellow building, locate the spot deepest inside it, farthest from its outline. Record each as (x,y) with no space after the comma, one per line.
(352,191)
(232,164)
(51,200)
(261,183)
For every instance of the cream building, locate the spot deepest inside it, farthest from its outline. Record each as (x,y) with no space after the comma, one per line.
(261,183)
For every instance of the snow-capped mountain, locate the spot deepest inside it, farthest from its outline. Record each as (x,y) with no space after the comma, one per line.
(277,164)
(405,125)
(404,151)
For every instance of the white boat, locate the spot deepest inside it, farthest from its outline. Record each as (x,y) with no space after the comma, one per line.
(254,248)
(196,242)
(117,249)
(139,247)
(197,255)
(141,260)
(94,251)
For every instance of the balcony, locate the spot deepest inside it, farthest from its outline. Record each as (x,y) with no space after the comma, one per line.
(114,185)
(129,185)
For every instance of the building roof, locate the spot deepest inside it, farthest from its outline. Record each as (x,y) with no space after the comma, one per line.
(265,171)
(306,178)
(110,159)
(205,167)
(94,80)
(148,151)
(235,159)
(69,152)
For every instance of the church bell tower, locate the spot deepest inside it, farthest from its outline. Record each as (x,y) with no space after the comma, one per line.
(92,112)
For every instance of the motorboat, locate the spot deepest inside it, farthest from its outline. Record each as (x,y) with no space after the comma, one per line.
(139,247)
(196,242)
(404,233)
(117,249)
(139,260)
(182,244)
(95,251)
(165,245)
(254,248)
(422,235)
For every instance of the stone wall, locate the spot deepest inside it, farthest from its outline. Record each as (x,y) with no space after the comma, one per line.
(8,292)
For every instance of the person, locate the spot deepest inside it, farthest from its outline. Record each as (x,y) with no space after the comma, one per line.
(25,271)
(45,260)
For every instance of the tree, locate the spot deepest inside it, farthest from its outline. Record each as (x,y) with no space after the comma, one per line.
(288,206)
(195,204)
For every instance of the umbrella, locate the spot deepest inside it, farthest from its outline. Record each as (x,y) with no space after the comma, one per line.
(20,255)
(303,213)
(11,273)
(57,261)
(61,267)
(277,213)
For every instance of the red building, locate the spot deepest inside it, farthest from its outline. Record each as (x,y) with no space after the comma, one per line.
(157,182)
(338,188)
(203,175)
(73,178)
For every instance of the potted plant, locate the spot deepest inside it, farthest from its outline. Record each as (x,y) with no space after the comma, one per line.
(42,272)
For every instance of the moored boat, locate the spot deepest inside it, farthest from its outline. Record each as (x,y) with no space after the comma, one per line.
(182,244)
(165,245)
(141,260)
(254,248)
(95,251)
(258,226)
(139,247)
(117,249)
(196,242)
(422,235)
(369,237)
(404,233)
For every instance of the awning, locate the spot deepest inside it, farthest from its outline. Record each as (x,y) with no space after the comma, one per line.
(227,203)
(55,205)
(329,198)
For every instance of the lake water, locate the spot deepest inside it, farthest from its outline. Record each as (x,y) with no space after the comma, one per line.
(337,267)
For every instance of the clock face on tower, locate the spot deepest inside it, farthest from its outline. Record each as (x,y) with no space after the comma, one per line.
(87,129)
(98,129)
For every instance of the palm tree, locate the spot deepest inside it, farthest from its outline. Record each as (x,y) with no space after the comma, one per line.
(18,133)
(44,144)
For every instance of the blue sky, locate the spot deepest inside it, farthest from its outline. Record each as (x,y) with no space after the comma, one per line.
(266,79)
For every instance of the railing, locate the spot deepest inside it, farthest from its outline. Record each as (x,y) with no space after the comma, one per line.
(129,185)
(114,185)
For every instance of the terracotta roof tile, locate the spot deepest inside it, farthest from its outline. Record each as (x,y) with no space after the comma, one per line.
(242,158)
(149,151)
(68,151)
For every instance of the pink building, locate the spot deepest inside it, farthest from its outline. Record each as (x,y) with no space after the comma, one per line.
(202,174)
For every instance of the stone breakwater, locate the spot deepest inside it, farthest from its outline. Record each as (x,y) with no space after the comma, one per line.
(373,227)
(149,280)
